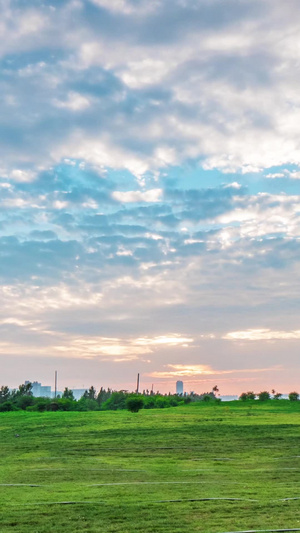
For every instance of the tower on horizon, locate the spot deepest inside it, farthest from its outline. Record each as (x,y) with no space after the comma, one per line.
(179,387)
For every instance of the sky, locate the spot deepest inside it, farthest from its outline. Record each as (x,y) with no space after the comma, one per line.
(149,193)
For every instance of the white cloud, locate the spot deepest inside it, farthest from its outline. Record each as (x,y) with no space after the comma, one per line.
(168,340)
(223,91)
(152,195)
(126,7)
(74,102)
(233,185)
(262,335)
(22,176)
(276,175)
(186,371)
(294,174)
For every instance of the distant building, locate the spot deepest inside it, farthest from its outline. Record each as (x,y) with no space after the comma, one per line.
(179,387)
(39,390)
(78,393)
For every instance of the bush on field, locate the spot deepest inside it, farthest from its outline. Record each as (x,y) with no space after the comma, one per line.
(174,402)
(22,402)
(149,402)
(264,396)
(134,403)
(85,404)
(188,400)
(7,406)
(293,396)
(42,404)
(161,402)
(247,396)
(206,398)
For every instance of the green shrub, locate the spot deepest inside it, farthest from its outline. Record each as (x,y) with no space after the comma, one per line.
(85,404)
(250,395)
(42,404)
(7,406)
(206,398)
(264,396)
(149,403)
(134,403)
(174,402)
(116,401)
(162,402)
(293,396)
(24,401)
(65,404)
(31,408)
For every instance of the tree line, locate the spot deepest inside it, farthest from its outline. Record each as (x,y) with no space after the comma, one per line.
(103,400)
(263,396)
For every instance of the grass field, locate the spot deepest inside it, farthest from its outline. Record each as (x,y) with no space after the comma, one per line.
(199,468)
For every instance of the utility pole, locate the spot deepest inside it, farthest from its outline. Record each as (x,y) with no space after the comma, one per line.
(55,383)
(138,384)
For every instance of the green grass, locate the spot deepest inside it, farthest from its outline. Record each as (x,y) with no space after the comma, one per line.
(117,472)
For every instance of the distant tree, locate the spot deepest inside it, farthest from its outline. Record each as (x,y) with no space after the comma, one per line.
(276,395)
(247,396)
(206,398)
(4,394)
(293,396)
(24,390)
(186,400)
(117,400)
(24,401)
(68,394)
(134,403)
(215,389)
(92,393)
(264,396)
(243,397)
(103,395)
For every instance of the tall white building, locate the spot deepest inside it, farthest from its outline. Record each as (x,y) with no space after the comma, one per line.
(179,387)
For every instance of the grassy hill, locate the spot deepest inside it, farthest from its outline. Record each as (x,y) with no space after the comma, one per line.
(198,468)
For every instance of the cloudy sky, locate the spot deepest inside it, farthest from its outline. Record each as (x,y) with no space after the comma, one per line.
(149,193)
